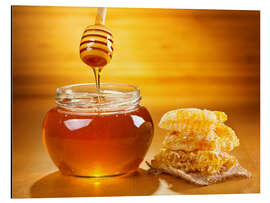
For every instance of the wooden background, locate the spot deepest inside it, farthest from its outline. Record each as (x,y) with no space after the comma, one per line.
(178,58)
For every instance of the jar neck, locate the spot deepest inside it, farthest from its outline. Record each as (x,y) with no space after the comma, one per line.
(85,98)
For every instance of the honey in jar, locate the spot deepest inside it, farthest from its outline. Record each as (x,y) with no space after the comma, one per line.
(88,137)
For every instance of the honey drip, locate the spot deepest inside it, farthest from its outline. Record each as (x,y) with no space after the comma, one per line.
(97,80)
(96,49)
(96,64)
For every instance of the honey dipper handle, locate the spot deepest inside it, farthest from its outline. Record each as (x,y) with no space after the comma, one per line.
(101,14)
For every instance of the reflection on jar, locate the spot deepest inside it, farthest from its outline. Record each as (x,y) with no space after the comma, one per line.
(84,138)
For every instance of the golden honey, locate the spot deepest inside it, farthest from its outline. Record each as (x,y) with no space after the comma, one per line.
(85,137)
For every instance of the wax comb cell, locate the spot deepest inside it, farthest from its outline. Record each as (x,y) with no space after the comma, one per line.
(191,119)
(204,162)
(223,138)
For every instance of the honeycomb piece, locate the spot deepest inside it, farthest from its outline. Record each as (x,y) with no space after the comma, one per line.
(188,141)
(191,119)
(223,138)
(204,162)
(228,139)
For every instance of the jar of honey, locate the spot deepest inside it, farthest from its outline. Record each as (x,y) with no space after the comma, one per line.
(97,134)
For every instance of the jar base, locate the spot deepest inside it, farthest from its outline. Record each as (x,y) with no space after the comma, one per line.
(104,176)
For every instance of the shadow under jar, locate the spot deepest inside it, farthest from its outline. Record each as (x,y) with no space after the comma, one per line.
(95,135)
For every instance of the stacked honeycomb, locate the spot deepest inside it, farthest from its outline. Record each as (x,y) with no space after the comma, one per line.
(197,141)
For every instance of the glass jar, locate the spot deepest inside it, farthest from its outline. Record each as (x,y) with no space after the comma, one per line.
(94,135)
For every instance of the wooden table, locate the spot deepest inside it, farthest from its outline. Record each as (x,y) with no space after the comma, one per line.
(34,174)
(179,58)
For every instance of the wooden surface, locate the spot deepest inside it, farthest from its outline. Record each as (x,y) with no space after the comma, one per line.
(34,174)
(178,58)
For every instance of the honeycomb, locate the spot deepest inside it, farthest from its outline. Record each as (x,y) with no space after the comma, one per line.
(223,138)
(205,162)
(191,119)
(228,138)
(188,141)
(197,141)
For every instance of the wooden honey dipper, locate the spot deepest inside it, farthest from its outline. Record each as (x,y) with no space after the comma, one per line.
(96,47)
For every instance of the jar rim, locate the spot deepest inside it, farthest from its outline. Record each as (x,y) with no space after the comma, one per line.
(84,97)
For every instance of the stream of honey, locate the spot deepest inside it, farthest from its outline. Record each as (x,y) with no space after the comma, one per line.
(96,63)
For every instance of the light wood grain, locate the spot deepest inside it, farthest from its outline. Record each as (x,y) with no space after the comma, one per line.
(178,58)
